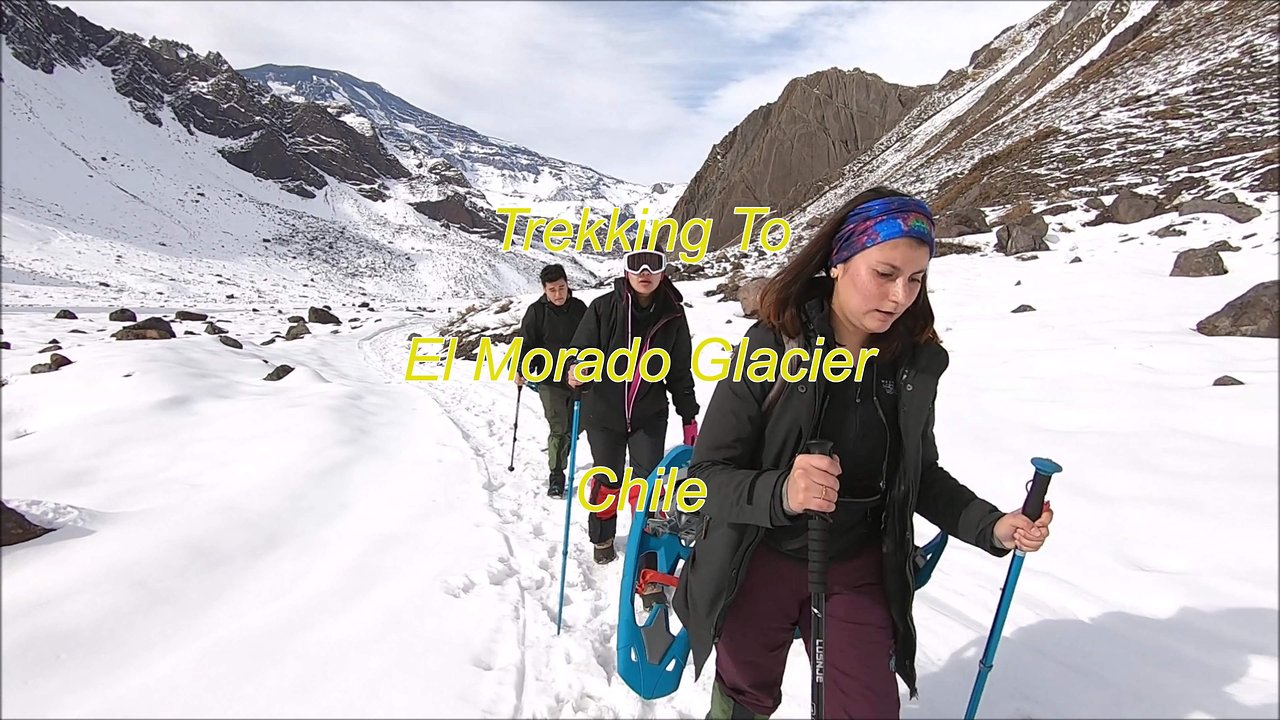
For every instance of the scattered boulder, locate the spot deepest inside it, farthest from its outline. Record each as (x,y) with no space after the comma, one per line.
(323,316)
(279,373)
(78,331)
(270,340)
(1255,313)
(1060,209)
(59,360)
(1223,246)
(412,336)
(1025,235)
(296,331)
(1198,262)
(43,368)
(1237,211)
(16,528)
(230,342)
(961,221)
(1074,260)
(945,248)
(749,295)
(4,345)
(1026,257)
(1227,380)
(212,329)
(65,315)
(727,290)
(1023,308)
(54,341)
(1094,203)
(189,315)
(1129,207)
(1169,231)
(153,328)
(190,332)
(51,348)
(122,315)
(296,319)
(364,304)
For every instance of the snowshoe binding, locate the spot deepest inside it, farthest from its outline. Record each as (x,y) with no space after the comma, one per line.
(651,658)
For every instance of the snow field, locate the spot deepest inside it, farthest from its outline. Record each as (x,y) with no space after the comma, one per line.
(344,542)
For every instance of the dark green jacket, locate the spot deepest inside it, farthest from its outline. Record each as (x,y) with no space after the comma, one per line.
(744,465)
(551,328)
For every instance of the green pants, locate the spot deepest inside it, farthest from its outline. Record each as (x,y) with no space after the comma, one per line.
(724,708)
(557,406)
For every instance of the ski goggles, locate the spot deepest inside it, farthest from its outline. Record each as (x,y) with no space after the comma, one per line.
(638,261)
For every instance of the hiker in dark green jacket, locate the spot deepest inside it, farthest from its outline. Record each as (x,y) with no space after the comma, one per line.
(549,323)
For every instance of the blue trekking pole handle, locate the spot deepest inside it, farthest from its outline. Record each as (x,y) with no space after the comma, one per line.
(568,502)
(1032,507)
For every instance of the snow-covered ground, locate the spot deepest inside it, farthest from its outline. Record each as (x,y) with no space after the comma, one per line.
(345,543)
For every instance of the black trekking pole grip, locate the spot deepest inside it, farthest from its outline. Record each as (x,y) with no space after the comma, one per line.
(818,525)
(1033,506)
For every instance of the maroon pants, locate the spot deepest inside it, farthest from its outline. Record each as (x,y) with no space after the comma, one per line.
(759,628)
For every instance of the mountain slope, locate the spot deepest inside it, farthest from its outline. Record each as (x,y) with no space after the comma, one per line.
(818,124)
(508,174)
(1089,98)
(166,167)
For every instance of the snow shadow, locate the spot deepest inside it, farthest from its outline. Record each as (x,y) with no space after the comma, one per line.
(1116,665)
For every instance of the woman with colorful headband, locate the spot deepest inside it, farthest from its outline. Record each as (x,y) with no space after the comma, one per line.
(858,284)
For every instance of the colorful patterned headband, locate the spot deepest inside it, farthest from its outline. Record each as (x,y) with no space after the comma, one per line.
(878,221)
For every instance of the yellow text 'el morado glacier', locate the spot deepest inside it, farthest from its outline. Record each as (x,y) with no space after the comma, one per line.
(590,364)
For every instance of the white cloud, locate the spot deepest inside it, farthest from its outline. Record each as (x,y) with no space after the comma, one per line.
(637,90)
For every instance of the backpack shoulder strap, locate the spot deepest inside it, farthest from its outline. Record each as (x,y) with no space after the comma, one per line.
(779,384)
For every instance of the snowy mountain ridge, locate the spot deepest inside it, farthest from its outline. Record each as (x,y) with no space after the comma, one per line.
(508,174)
(145,155)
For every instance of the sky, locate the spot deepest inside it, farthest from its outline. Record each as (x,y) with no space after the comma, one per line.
(640,91)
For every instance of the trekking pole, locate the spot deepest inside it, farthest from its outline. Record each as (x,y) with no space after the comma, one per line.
(1032,507)
(568,501)
(511,464)
(818,524)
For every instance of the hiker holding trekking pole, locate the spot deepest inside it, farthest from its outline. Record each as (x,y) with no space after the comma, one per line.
(855,459)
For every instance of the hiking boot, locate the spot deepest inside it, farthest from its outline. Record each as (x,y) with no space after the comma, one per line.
(555,485)
(653,594)
(604,553)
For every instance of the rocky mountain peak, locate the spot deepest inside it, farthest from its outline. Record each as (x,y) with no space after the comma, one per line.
(773,157)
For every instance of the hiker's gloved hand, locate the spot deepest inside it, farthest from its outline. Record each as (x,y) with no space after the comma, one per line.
(691,432)
(1016,530)
(814,484)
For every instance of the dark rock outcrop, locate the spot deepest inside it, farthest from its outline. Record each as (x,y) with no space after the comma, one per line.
(1255,313)
(292,143)
(1198,262)
(777,153)
(16,528)
(153,328)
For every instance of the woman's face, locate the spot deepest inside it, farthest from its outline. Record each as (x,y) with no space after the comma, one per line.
(874,287)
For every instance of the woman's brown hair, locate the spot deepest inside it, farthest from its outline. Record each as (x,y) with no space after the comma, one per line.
(796,284)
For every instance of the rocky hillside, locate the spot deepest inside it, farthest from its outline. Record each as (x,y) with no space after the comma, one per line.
(817,125)
(505,173)
(134,168)
(1174,98)
(294,144)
